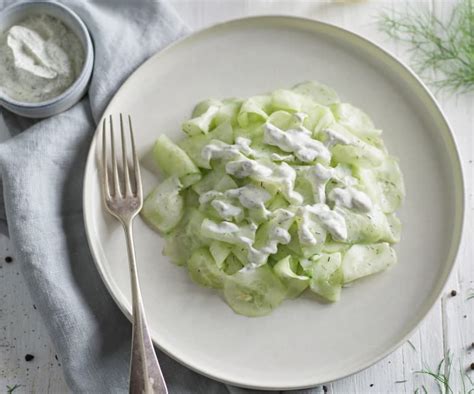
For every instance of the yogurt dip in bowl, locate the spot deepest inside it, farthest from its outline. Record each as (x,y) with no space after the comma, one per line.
(46,58)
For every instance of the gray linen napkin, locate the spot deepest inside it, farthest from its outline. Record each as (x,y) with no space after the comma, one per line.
(42,170)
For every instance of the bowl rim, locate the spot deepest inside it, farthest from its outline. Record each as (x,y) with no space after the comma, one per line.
(460,212)
(87,67)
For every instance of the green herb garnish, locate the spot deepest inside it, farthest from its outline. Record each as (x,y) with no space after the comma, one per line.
(11,389)
(444,47)
(411,345)
(441,375)
(417,391)
(470,296)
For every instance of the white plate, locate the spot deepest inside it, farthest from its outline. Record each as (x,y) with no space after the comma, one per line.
(303,342)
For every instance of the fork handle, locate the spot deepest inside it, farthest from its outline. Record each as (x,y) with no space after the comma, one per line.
(145,372)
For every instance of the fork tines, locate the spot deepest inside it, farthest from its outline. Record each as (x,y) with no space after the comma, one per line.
(119,180)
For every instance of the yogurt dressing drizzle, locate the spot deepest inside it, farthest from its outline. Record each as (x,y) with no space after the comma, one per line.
(296,141)
(242,161)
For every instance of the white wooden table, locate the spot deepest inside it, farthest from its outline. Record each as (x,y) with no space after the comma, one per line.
(449,328)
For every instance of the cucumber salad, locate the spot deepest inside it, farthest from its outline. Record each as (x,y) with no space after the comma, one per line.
(268,196)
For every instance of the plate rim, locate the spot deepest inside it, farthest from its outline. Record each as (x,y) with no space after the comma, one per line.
(432,104)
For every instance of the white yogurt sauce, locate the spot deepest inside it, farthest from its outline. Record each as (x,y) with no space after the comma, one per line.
(217,149)
(225,209)
(223,227)
(351,198)
(209,196)
(40,57)
(286,176)
(278,157)
(277,234)
(220,150)
(331,220)
(319,176)
(228,231)
(243,144)
(334,137)
(247,168)
(297,141)
(305,234)
(250,196)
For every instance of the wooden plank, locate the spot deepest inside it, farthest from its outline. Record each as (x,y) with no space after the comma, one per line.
(22,332)
(459,311)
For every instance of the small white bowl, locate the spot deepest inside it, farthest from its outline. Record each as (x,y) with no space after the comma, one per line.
(17,12)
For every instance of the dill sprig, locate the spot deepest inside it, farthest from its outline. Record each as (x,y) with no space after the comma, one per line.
(470,296)
(445,47)
(418,390)
(11,389)
(411,345)
(441,375)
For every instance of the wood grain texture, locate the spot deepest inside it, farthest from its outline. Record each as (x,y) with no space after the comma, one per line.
(449,326)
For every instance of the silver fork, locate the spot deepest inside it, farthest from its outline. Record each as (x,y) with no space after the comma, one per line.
(123,198)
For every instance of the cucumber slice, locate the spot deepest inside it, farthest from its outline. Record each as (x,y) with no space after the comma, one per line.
(286,100)
(326,276)
(204,270)
(295,284)
(163,208)
(364,260)
(252,132)
(390,180)
(193,145)
(225,183)
(227,232)
(335,247)
(366,227)
(174,161)
(209,181)
(254,110)
(201,124)
(228,112)
(284,120)
(178,247)
(204,105)
(232,265)
(304,187)
(241,253)
(278,201)
(275,231)
(318,92)
(254,292)
(318,118)
(219,251)
(395,228)
(359,155)
(354,120)
(384,184)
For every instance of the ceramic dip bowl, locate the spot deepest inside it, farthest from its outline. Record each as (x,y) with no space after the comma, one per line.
(18,12)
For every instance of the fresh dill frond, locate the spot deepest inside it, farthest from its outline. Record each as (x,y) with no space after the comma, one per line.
(441,375)
(11,389)
(470,296)
(411,345)
(417,391)
(445,47)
